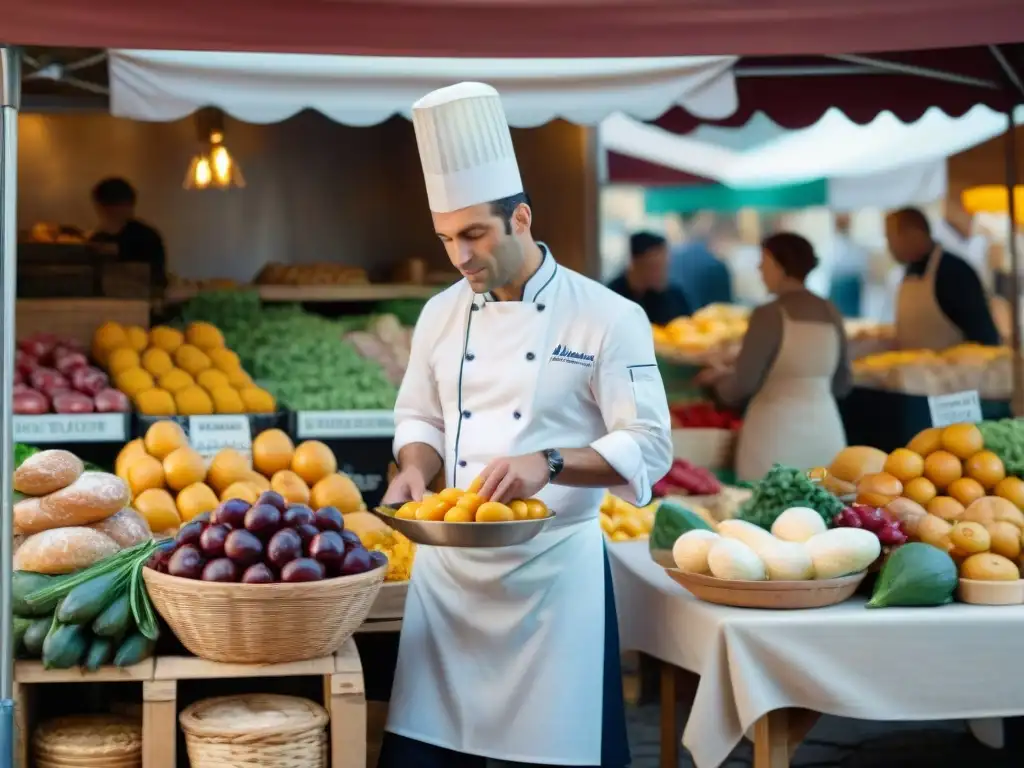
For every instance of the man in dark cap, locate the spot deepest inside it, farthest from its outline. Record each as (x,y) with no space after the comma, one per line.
(645,280)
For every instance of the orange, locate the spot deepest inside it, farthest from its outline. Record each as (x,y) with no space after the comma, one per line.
(182,467)
(313,461)
(522,512)
(408,510)
(339,491)
(272,451)
(536,509)
(1009,488)
(470,501)
(241,490)
(904,465)
(144,473)
(966,490)
(926,441)
(258,480)
(946,507)
(195,500)
(1005,539)
(458,515)
(433,508)
(920,489)
(993,509)
(494,512)
(292,487)
(962,440)
(227,467)
(163,437)
(986,468)
(476,485)
(452,495)
(942,468)
(127,456)
(969,539)
(157,507)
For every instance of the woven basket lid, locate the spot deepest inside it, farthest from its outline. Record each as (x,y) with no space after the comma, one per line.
(89,762)
(252,714)
(88,736)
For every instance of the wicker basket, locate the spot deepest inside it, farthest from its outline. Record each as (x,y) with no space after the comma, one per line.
(258,730)
(263,623)
(709,448)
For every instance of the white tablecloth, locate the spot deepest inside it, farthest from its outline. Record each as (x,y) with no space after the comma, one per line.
(954,662)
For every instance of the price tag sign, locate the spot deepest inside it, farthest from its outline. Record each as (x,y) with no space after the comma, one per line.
(210,434)
(330,425)
(71,428)
(955,409)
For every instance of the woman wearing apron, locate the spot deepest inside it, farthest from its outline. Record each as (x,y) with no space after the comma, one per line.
(790,371)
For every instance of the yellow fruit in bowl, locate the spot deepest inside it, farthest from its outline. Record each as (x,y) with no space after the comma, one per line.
(926,442)
(476,484)
(452,495)
(158,509)
(291,487)
(272,451)
(470,501)
(607,524)
(1011,489)
(987,566)
(432,509)
(1005,539)
(942,468)
(920,489)
(962,440)
(182,467)
(163,438)
(458,515)
(536,509)
(966,490)
(339,490)
(495,512)
(520,509)
(196,499)
(227,467)
(969,539)
(986,468)
(313,461)
(408,510)
(904,465)
(145,473)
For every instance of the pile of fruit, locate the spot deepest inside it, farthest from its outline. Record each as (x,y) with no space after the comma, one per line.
(453,505)
(51,373)
(717,329)
(170,483)
(785,487)
(703,415)
(167,372)
(266,542)
(399,550)
(621,521)
(986,370)
(300,357)
(685,479)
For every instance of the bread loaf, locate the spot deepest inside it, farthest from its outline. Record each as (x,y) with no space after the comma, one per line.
(92,497)
(46,472)
(63,550)
(127,528)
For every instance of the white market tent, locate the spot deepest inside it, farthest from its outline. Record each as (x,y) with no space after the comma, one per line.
(883,163)
(366,90)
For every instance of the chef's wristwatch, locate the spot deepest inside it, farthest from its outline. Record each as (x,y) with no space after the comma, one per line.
(555,463)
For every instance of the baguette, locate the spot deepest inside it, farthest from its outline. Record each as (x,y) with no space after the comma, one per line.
(46,472)
(93,497)
(63,550)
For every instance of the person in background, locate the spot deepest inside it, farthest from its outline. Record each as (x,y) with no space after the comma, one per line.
(791,369)
(848,268)
(703,278)
(114,200)
(646,282)
(941,302)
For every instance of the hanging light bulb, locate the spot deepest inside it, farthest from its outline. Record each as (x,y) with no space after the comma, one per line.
(213,167)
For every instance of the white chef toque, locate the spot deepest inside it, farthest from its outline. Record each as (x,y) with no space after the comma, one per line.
(465,147)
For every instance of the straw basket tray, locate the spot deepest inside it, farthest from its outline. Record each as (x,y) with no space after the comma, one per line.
(263,623)
(773,595)
(258,730)
(88,741)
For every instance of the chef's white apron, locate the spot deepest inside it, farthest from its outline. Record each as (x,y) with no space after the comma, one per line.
(502,651)
(794,419)
(920,321)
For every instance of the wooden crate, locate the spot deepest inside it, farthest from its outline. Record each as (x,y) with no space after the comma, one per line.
(29,675)
(76,318)
(343,697)
(390,602)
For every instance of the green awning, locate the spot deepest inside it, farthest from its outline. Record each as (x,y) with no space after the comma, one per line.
(715,197)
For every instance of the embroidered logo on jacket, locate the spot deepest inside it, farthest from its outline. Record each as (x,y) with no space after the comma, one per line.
(562,354)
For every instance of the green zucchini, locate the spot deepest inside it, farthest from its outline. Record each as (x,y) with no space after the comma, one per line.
(23,584)
(101,651)
(87,601)
(35,635)
(115,619)
(65,646)
(20,625)
(135,648)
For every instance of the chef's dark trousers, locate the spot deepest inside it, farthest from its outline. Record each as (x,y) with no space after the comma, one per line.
(403,752)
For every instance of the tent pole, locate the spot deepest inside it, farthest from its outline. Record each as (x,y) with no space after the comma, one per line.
(10,98)
(1010,147)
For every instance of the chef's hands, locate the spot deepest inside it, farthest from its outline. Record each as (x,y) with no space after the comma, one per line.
(516,477)
(407,485)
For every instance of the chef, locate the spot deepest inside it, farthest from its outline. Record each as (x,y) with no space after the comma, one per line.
(941,302)
(542,383)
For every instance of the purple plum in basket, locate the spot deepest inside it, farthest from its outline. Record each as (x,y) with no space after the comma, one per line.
(244,548)
(298,514)
(274,499)
(231,513)
(221,569)
(303,569)
(284,546)
(258,574)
